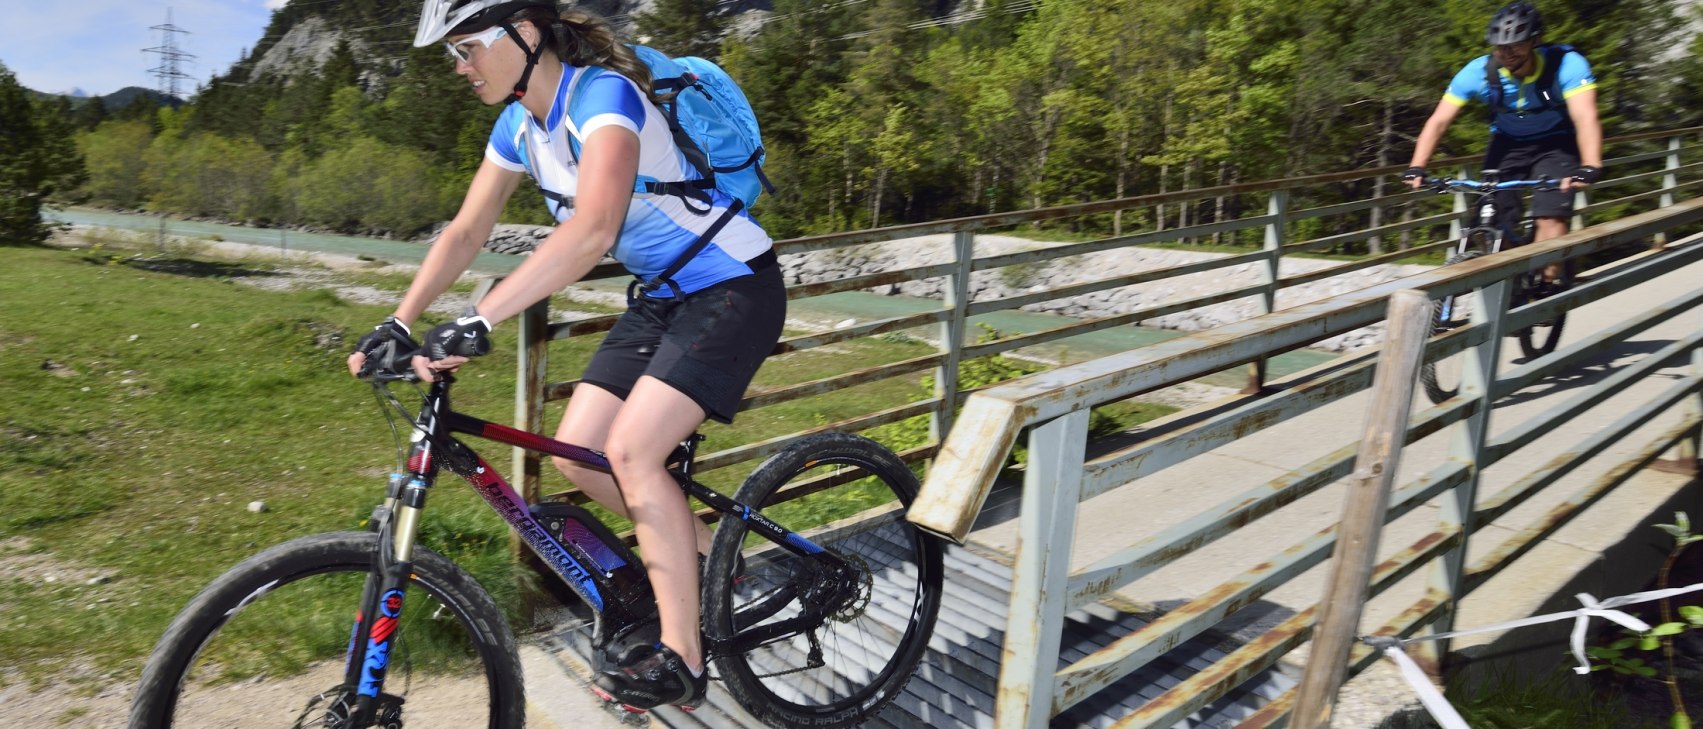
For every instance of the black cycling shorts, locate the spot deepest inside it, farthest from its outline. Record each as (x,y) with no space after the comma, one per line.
(707,346)
(1554,157)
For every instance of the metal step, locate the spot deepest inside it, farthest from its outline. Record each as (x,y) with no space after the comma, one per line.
(955,684)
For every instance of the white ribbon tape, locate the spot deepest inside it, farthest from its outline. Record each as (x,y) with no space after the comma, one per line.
(1439,707)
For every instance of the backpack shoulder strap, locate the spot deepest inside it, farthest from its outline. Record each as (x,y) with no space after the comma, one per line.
(1492,83)
(1545,86)
(574,94)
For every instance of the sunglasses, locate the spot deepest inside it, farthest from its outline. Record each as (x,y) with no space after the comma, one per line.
(463,50)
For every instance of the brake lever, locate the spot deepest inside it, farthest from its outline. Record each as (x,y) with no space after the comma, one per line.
(386,364)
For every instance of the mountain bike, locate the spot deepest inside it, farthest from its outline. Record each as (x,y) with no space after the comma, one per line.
(1499,225)
(820,626)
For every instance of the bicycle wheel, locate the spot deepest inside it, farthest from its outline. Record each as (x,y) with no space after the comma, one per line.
(1441,379)
(857,658)
(1541,338)
(265,645)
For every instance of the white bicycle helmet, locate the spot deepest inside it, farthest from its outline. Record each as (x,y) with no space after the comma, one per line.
(439,18)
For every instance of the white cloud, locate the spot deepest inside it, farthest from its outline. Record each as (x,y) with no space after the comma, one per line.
(97,45)
(276,4)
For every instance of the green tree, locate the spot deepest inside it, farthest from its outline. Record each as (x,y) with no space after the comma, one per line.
(683,27)
(368,185)
(33,164)
(58,127)
(92,114)
(208,174)
(115,156)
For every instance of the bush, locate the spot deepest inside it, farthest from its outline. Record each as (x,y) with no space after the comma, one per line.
(115,156)
(369,185)
(207,174)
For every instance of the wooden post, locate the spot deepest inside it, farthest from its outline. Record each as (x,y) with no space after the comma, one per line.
(1363,510)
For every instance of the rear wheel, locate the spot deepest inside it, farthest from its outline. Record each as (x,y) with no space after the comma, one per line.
(266,645)
(1441,378)
(856,636)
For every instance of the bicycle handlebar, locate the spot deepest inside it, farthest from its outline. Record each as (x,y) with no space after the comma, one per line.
(1445,184)
(389,363)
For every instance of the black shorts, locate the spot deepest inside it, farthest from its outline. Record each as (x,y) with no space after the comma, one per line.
(1554,157)
(708,346)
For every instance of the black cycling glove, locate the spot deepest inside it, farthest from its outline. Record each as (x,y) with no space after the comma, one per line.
(1587,174)
(1413,173)
(464,337)
(389,330)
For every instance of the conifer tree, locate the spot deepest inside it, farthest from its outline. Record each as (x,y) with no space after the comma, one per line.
(92,114)
(682,27)
(32,165)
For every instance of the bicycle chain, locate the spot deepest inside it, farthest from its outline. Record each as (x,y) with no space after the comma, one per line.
(866,591)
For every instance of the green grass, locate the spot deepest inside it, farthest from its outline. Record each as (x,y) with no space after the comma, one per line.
(149,402)
(1559,700)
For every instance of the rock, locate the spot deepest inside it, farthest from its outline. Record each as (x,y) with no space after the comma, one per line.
(256,507)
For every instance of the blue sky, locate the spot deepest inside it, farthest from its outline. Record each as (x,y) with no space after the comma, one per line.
(96,45)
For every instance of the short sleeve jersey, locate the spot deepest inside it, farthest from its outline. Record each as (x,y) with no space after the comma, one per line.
(658,228)
(1520,94)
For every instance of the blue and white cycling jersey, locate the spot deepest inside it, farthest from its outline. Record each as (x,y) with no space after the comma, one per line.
(658,228)
(1573,77)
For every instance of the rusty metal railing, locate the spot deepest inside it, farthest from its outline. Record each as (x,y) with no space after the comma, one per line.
(949,321)
(1053,408)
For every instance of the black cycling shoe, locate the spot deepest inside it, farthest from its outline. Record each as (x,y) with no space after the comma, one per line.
(646,679)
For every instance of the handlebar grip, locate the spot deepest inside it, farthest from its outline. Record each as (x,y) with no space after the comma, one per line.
(391,362)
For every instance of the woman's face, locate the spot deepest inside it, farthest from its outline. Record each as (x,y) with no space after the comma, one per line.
(489,59)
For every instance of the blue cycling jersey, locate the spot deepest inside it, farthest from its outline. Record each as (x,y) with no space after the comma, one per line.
(658,228)
(1573,77)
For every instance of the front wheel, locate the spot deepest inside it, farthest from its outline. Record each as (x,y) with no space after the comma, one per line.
(1441,378)
(797,642)
(1541,338)
(267,644)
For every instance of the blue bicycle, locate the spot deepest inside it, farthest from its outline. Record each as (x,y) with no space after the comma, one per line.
(1499,225)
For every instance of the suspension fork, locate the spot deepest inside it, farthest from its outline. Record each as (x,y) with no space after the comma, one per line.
(397,524)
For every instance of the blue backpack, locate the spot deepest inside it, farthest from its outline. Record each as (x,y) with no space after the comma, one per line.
(714,127)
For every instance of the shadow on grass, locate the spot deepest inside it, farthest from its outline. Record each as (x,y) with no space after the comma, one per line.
(184,266)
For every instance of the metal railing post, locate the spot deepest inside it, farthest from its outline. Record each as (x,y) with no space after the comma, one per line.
(1467,445)
(1455,228)
(1052,488)
(1669,180)
(1581,199)
(1277,206)
(952,336)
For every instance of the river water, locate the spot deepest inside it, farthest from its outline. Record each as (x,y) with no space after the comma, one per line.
(853,306)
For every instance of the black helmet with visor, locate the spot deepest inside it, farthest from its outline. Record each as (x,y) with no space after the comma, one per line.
(1514,23)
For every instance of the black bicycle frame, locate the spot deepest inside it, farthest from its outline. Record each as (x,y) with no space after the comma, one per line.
(434,448)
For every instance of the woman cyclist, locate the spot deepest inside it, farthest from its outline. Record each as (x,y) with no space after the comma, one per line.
(681,353)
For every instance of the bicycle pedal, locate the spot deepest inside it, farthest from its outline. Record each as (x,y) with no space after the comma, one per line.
(628,709)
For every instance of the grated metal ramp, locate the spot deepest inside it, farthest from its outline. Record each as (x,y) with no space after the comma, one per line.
(955,684)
